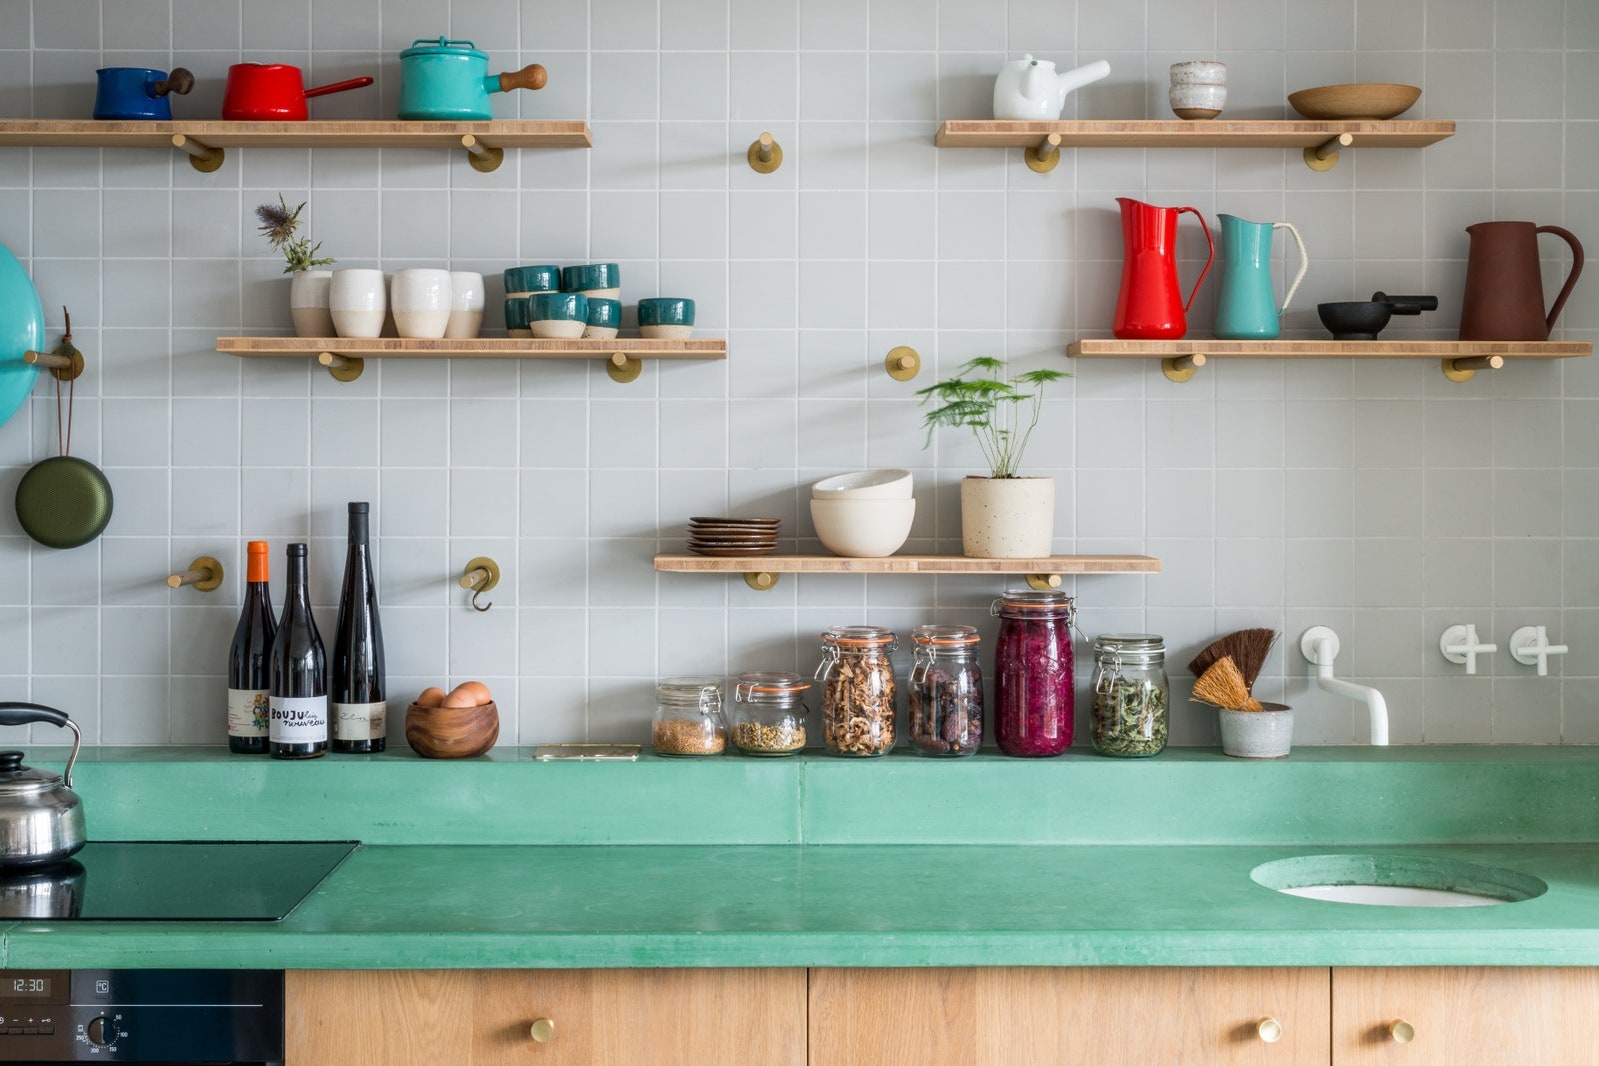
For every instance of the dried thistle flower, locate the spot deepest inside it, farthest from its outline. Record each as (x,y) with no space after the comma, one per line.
(278,225)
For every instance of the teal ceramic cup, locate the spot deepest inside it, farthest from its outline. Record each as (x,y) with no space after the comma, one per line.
(558,314)
(517,315)
(666,316)
(605,318)
(594,279)
(523,280)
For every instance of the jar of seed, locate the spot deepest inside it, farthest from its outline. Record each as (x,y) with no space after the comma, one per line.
(769,713)
(1130,694)
(857,680)
(946,691)
(688,717)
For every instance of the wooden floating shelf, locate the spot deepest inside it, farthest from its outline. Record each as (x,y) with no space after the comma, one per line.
(1459,359)
(760,571)
(204,141)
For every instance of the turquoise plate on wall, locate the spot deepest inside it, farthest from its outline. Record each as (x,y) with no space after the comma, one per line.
(21,329)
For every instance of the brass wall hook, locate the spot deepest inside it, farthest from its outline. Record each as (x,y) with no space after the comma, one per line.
(482,574)
(765,154)
(902,363)
(65,362)
(204,573)
(342,367)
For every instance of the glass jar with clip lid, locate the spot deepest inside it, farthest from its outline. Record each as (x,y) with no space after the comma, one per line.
(857,679)
(1033,673)
(688,717)
(1130,694)
(946,691)
(769,713)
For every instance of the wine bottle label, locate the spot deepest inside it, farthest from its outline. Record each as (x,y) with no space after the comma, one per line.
(299,719)
(247,712)
(360,721)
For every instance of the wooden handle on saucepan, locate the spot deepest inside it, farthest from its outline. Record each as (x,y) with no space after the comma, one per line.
(180,81)
(531,76)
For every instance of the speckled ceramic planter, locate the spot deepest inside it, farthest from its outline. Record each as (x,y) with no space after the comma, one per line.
(1007,518)
(1263,734)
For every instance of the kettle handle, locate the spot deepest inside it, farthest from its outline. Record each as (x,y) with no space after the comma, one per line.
(1304,263)
(1571,278)
(1209,241)
(13,713)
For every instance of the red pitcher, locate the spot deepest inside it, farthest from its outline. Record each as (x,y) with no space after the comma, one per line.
(1150,305)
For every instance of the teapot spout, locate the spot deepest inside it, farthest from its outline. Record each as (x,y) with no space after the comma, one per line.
(1038,85)
(1083,75)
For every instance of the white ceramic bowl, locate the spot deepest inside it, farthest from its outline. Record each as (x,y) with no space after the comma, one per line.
(863,528)
(885,484)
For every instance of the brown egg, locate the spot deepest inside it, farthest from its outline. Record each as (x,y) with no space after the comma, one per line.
(432,696)
(468,694)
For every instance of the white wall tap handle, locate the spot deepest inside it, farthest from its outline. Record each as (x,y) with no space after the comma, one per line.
(1530,644)
(1459,644)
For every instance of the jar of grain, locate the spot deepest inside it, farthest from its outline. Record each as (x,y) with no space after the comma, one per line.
(769,713)
(857,679)
(688,717)
(946,691)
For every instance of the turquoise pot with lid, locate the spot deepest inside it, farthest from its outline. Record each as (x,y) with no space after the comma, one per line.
(21,330)
(449,81)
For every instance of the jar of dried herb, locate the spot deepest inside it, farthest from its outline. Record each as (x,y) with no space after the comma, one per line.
(857,679)
(1033,673)
(688,717)
(1130,694)
(946,691)
(769,713)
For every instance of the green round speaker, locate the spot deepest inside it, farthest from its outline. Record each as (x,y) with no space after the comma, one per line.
(64,502)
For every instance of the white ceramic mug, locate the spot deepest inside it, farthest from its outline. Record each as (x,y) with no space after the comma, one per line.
(420,299)
(308,303)
(358,302)
(466,304)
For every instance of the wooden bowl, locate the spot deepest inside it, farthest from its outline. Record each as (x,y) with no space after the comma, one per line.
(1375,101)
(451,732)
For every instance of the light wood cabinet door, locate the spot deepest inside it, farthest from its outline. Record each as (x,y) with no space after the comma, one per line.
(1067,1016)
(1466,1016)
(486,1017)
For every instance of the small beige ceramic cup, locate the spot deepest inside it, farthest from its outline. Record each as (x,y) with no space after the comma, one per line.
(1198,89)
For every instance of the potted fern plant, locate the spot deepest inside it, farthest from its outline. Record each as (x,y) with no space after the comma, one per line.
(1003,515)
(308,287)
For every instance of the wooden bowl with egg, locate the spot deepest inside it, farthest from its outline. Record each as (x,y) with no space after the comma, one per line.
(454,725)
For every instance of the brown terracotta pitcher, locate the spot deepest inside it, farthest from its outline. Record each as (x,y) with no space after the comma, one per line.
(1504,287)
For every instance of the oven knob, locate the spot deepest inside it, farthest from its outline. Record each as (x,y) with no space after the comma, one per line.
(101,1032)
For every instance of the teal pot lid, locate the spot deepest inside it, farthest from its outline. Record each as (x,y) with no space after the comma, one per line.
(443,46)
(21,329)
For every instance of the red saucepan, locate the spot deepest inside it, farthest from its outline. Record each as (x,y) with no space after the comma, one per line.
(273,92)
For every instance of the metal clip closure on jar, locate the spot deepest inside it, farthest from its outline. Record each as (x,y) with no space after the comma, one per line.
(857,680)
(1130,694)
(769,713)
(1033,673)
(688,716)
(946,691)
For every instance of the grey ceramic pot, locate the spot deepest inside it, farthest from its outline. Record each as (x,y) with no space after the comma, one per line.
(1263,734)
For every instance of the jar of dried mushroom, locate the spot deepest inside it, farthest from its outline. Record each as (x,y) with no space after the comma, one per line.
(1033,673)
(688,717)
(769,713)
(946,691)
(857,680)
(1129,694)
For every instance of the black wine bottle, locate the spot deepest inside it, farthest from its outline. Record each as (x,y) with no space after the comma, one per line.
(299,688)
(248,659)
(356,685)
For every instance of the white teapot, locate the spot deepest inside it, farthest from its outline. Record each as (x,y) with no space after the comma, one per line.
(1028,89)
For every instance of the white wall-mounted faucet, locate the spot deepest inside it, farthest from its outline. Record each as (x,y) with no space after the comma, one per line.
(1530,644)
(1319,646)
(1459,644)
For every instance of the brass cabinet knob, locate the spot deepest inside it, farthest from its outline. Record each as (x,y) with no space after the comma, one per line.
(542,1030)
(1270,1030)
(1401,1031)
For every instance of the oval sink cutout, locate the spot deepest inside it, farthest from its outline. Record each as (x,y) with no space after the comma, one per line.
(1397,881)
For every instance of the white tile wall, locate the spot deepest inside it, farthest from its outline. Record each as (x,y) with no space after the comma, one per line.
(1376,498)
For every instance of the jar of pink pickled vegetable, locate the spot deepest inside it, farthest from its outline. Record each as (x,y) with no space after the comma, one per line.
(1033,673)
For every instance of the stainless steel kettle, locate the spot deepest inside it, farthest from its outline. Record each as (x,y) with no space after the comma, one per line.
(41,818)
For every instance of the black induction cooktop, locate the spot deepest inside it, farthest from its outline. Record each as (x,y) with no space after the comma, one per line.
(173,881)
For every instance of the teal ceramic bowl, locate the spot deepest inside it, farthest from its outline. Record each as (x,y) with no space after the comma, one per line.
(666,316)
(21,329)
(558,314)
(518,313)
(530,279)
(605,318)
(591,277)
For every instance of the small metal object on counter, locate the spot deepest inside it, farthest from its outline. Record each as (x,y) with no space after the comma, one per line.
(946,691)
(857,679)
(769,713)
(586,752)
(482,574)
(688,717)
(765,154)
(205,574)
(1131,694)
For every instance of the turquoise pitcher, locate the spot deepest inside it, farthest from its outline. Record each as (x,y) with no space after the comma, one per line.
(1248,308)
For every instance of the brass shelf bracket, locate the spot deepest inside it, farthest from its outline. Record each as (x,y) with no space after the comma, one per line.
(1181,367)
(1045,155)
(1043,582)
(765,154)
(342,367)
(202,157)
(623,367)
(1324,156)
(482,574)
(760,580)
(902,363)
(1465,368)
(483,157)
(204,574)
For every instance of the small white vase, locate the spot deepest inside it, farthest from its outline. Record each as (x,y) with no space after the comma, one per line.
(308,303)
(466,304)
(358,302)
(1007,518)
(1263,734)
(420,300)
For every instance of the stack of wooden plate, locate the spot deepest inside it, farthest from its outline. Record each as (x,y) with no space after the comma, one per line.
(732,536)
